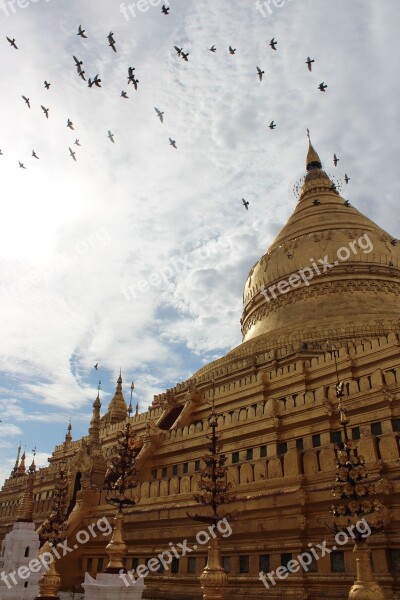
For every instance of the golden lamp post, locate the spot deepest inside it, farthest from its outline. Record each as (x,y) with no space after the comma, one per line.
(53,532)
(121,477)
(356,499)
(214,492)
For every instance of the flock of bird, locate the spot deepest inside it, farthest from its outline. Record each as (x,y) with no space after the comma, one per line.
(95,81)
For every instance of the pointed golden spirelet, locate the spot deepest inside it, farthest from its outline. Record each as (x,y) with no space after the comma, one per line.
(68,436)
(313,160)
(25,511)
(21,469)
(94,429)
(117,408)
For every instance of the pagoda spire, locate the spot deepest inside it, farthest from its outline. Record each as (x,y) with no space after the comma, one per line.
(25,511)
(313,160)
(68,435)
(316,181)
(130,407)
(117,409)
(17,461)
(21,470)
(94,429)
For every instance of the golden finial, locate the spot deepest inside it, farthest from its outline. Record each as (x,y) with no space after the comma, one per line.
(130,408)
(33,459)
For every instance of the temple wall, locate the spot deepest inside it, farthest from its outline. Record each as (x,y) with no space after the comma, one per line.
(279,429)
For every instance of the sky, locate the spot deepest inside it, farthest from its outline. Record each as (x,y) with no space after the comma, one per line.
(134,256)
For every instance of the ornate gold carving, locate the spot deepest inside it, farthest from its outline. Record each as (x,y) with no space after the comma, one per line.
(302,497)
(317,289)
(384,486)
(388,395)
(301,522)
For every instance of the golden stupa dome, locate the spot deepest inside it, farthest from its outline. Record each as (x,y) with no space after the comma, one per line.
(331,273)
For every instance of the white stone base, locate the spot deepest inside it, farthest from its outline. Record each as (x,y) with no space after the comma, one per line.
(109,586)
(21,540)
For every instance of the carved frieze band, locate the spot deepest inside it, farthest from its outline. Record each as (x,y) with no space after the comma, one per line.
(318,290)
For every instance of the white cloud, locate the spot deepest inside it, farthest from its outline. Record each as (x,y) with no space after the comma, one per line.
(73,233)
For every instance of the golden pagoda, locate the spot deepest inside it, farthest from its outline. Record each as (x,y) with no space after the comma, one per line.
(321,305)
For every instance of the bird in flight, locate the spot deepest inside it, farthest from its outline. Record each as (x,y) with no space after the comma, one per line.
(82,74)
(96,81)
(45,110)
(335,160)
(346,178)
(72,154)
(322,86)
(232,50)
(131,75)
(124,95)
(111,41)
(81,32)
(272,125)
(185,56)
(96,366)
(260,73)
(47,85)
(159,114)
(172,143)
(165,9)
(12,42)
(77,142)
(21,165)
(78,64)
(245,203)
(70,124)
(135,82)
(34,154)
(213,48)
(308,63)
(27,101)
(111,136)
(273,43)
